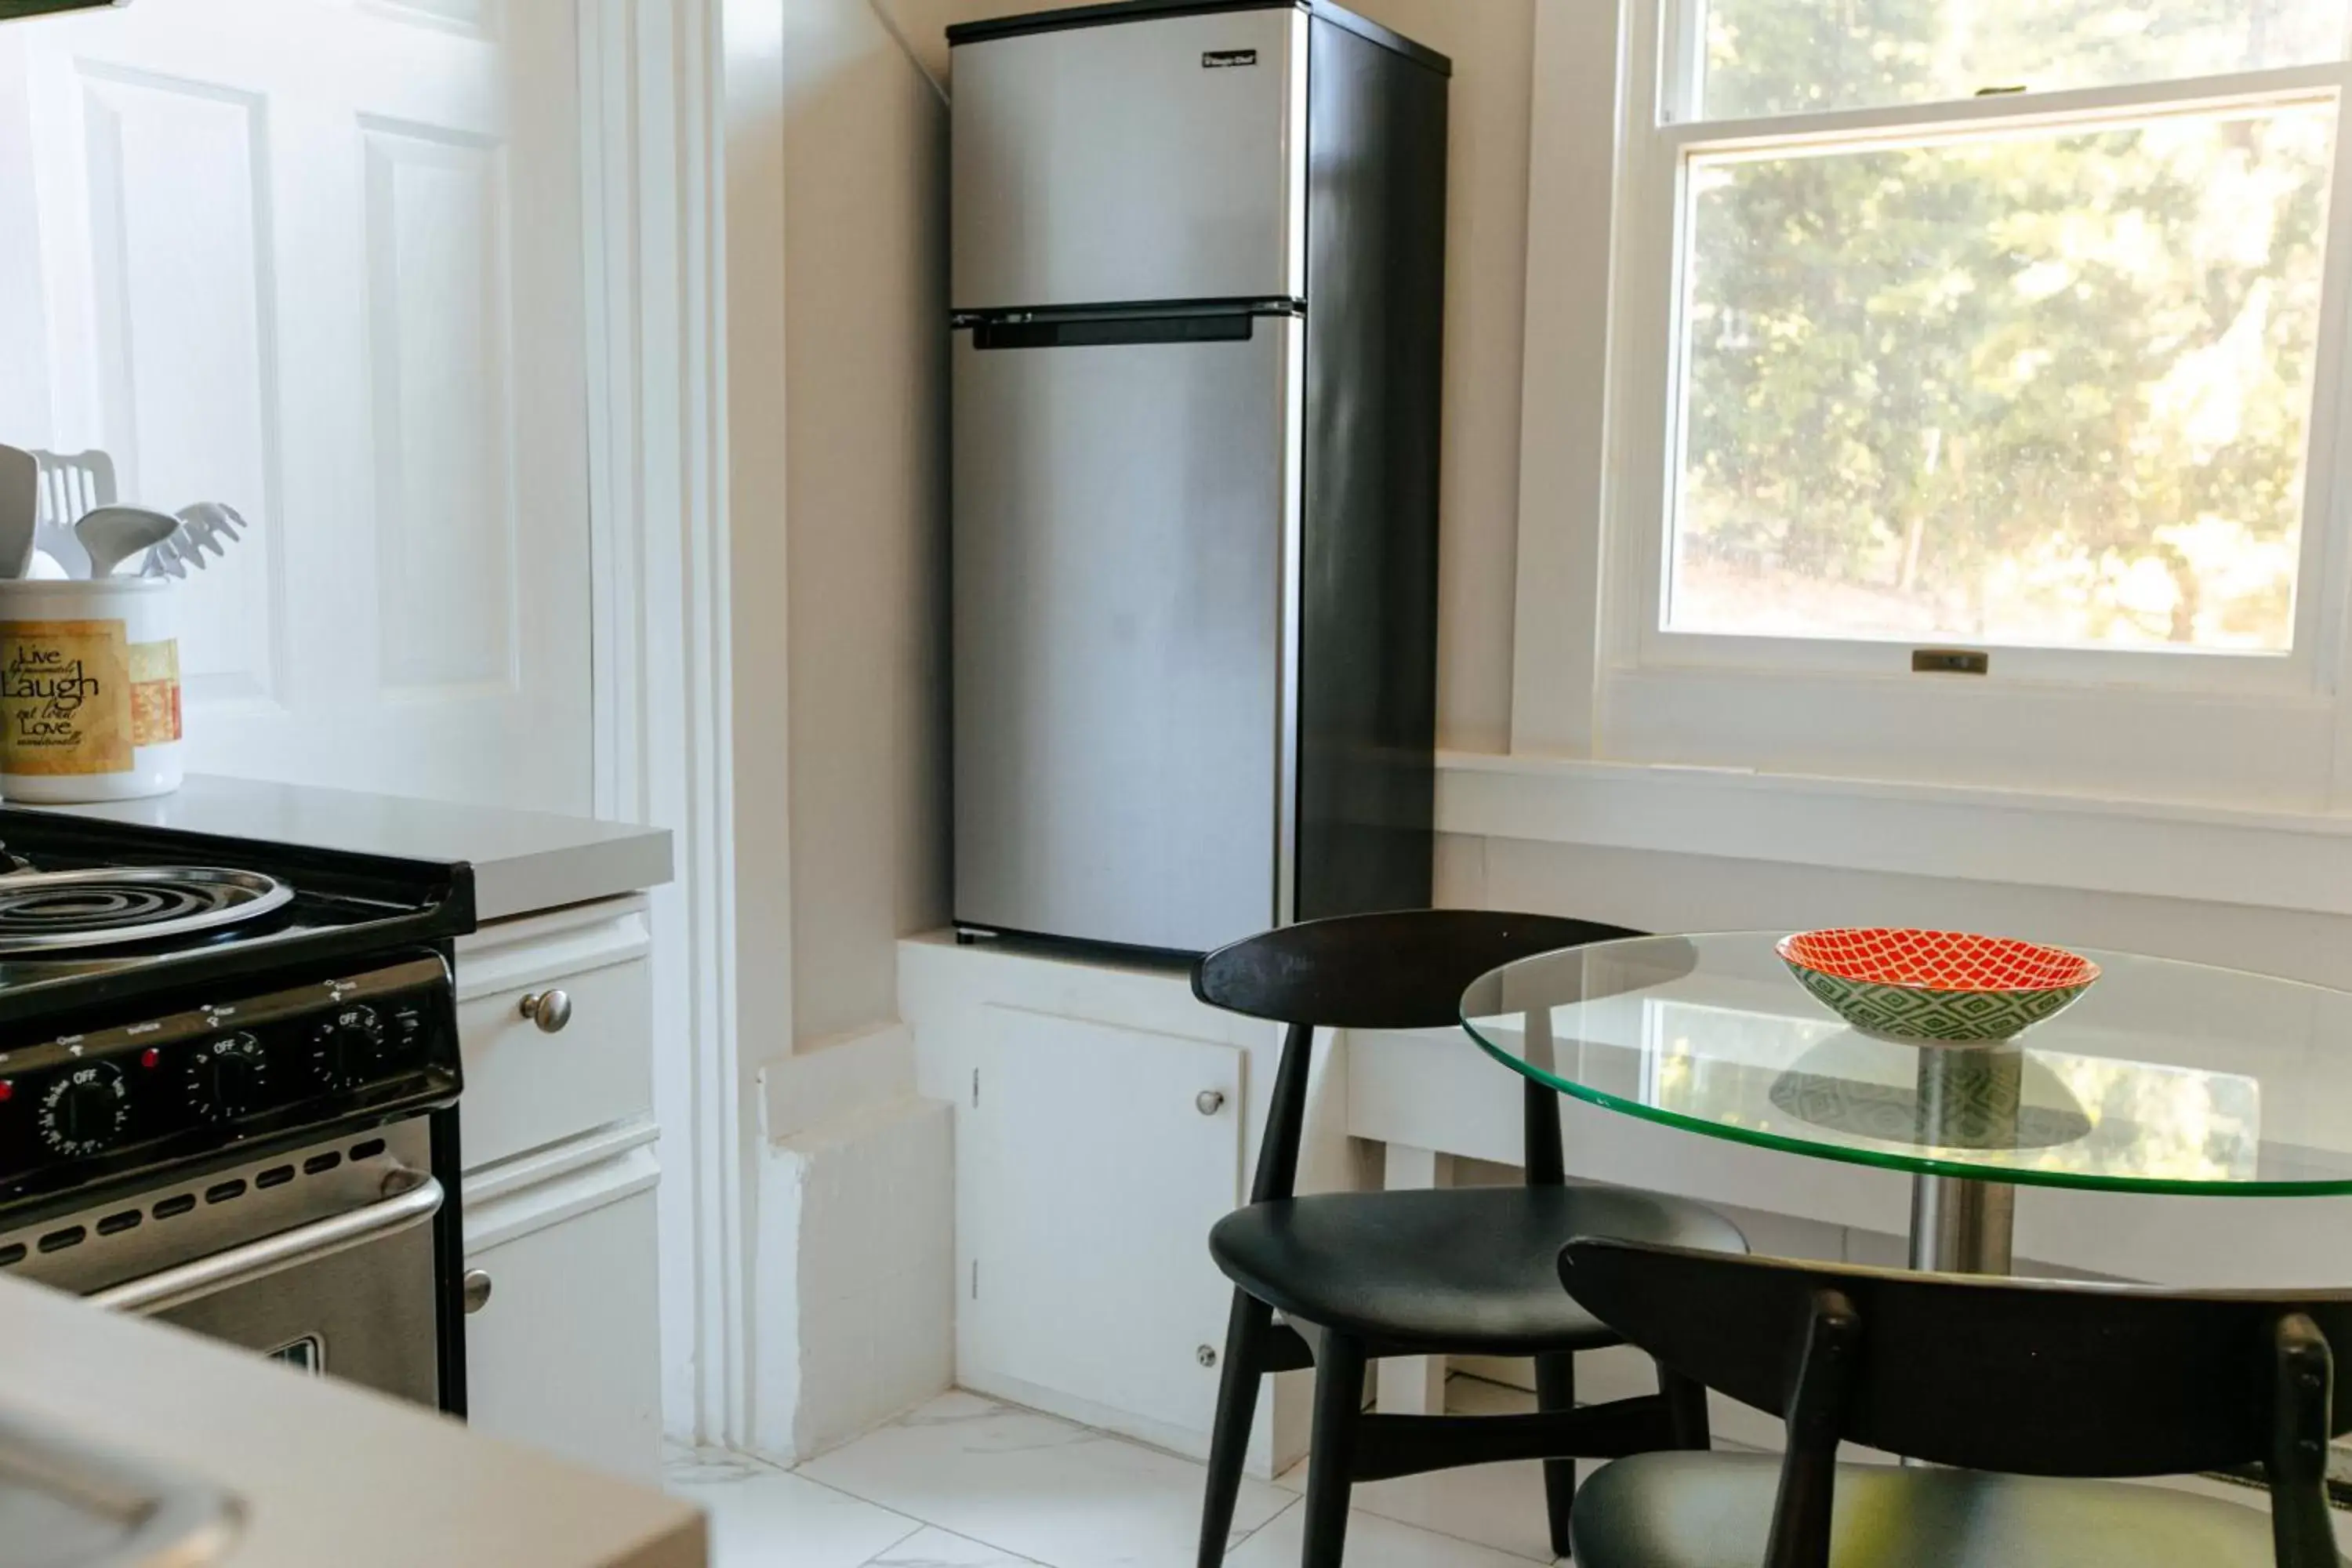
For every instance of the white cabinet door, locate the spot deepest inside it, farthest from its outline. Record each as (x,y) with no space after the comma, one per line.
(320,259)
(564,1355)
(1087,1175)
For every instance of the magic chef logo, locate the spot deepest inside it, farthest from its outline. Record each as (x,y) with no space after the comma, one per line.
(54,685)
(1225,60)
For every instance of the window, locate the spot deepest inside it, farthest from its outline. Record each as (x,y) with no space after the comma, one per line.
(2045,388)
(2012,325)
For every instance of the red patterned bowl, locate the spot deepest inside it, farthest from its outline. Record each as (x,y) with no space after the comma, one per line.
(1935,984)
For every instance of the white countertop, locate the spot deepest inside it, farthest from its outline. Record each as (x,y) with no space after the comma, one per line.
(324,1472)
(524,861)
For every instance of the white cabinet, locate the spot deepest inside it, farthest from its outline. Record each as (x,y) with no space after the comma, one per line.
(561,1353)
(525,1087)
(563,1341)
(1104,1120)
(1091,1158)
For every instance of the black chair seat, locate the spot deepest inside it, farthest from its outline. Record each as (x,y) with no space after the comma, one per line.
(1715,1510)
(1463,1269)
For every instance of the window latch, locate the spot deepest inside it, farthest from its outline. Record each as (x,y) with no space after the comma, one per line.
(1950,661)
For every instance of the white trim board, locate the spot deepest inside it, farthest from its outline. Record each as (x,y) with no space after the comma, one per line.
(1563,447)
(2212,854)
(652,83)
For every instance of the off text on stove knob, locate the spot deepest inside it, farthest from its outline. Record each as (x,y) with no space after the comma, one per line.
(228,1078)
(85,1110)
(349,1048)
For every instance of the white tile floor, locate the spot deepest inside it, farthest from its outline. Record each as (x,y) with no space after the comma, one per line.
(966,1482)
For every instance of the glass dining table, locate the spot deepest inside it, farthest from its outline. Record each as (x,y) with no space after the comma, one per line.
(2165,1078)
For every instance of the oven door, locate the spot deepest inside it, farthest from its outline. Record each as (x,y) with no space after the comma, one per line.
(352,1297)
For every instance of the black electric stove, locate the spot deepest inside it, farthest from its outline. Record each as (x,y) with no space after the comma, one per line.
(176,1008)
(98,945)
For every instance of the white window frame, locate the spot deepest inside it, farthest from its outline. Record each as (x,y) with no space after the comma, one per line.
(1599,455)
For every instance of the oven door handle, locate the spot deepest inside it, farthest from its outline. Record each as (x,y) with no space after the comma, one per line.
(159,1292)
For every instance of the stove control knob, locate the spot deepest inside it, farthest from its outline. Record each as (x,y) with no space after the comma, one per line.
(228,1078)
(85,1109)
(349,1048)
(408,1031)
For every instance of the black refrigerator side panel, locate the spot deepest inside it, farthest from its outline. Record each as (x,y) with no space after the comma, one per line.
(1375,321)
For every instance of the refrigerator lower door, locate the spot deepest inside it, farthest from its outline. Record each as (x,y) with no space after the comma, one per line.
(1161,161)
(1126,542)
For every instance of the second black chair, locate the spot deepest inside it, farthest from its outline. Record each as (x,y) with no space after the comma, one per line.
(1463,1271)
(2031,1385)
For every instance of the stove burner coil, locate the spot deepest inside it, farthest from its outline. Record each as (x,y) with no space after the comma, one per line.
(46,911)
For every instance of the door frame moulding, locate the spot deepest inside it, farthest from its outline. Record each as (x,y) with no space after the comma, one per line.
(657,78)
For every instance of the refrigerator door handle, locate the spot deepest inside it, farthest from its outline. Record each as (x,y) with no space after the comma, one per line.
(1110,331)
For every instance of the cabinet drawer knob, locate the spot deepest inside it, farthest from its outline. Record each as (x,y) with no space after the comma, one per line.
(550,1010)
(477,1290)
(1209,1101)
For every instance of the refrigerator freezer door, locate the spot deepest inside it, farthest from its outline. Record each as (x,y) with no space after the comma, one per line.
(1149,161)
(1125,539)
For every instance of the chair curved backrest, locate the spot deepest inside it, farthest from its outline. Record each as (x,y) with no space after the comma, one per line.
(2029,1377)
(1403,969)
(1406,969)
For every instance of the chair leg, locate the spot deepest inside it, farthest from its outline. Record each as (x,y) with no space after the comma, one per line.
(1245,1333)
(1556,1391)
(1685,1402)
(1330,1463)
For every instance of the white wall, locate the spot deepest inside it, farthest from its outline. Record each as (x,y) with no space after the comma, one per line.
(866,368)
(836,449)
(1490,43)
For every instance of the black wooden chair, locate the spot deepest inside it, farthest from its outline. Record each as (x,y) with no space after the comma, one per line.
(2033,1379)
(1358,1276)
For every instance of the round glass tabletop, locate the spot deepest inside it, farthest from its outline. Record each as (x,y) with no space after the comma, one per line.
(2164,1078)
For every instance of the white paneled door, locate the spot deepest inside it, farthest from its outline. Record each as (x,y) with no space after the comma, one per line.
(320,259)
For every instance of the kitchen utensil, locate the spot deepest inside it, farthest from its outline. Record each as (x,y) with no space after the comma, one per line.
(1952,987)
(72,483)
(204,525)
(113,534)
(20,502)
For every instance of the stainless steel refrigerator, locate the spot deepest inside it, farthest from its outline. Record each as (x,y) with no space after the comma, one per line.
(1197,264)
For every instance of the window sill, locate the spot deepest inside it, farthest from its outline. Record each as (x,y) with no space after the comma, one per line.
(2146,848)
